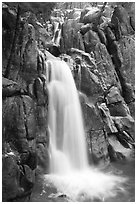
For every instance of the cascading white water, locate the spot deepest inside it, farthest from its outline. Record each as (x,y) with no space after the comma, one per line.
(67,141)
(69,169)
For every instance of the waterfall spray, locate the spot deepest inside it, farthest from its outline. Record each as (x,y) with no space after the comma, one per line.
(70,172)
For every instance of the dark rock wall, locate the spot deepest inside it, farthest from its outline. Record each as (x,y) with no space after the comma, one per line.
(25,103)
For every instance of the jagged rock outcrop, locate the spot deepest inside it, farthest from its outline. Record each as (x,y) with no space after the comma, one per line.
(25,133)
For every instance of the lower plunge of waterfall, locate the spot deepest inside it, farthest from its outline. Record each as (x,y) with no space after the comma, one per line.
(70,172)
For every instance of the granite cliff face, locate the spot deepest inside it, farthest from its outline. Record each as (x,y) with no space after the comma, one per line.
(98,45)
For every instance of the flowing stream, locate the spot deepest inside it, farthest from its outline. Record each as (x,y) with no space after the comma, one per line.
(70,173)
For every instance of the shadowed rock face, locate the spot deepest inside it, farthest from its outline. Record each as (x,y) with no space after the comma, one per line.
(25,136)
(102,60)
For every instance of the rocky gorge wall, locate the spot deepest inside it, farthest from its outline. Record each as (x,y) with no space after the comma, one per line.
(24,94)
(100,52)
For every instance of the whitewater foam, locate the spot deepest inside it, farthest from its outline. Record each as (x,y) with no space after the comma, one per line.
(87,185)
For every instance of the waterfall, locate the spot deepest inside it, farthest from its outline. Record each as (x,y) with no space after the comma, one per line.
(67,139)
(70,172)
